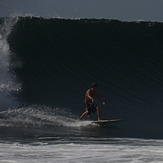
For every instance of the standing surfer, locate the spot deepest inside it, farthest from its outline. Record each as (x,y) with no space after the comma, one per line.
(90,102)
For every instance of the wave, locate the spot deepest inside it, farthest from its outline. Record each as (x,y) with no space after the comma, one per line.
(56,60)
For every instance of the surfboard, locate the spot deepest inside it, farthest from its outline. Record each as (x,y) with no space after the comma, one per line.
(107,121)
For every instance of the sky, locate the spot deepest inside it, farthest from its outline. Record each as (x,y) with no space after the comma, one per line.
(125,10)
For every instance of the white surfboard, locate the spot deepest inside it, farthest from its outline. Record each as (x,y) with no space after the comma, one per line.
(107,121)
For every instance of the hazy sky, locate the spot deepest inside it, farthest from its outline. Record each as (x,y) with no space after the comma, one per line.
(149,10)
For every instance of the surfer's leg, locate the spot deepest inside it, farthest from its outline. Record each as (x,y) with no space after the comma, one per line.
(98,113)
(84,114)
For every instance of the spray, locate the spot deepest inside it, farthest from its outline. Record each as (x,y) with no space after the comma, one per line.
(9,86)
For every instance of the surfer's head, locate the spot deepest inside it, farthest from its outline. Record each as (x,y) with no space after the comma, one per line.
(94,85)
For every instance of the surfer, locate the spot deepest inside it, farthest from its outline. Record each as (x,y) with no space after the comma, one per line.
(90,102)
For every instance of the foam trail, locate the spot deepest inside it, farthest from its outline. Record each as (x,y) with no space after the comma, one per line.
(40,116)
(8,84)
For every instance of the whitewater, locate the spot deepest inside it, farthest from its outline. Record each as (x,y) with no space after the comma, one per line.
(59,150)
(38,117)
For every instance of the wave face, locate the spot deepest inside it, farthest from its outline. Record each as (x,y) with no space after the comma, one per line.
(60,58)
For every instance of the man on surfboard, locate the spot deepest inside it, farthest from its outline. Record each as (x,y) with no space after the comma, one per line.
(90,102)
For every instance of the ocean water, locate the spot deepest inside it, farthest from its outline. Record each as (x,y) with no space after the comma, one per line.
(47,65)
(89,150)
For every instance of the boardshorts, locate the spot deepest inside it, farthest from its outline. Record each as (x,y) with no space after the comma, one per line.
(91,107)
